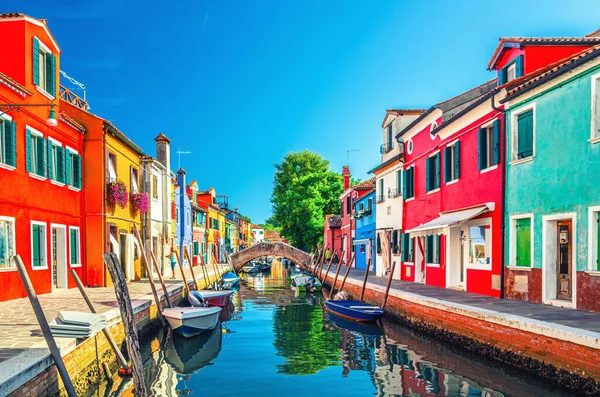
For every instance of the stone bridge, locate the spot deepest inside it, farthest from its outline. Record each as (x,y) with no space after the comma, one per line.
(284,250)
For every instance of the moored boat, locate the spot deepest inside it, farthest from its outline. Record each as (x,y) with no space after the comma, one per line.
(190,321)
(230,280)
(354,310)
(216,298)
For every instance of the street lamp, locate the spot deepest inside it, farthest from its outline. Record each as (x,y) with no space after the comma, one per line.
(51,120)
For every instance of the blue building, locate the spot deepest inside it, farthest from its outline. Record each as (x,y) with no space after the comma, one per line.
(365,230)
(183,217)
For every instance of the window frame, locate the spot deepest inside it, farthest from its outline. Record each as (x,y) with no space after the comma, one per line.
(514,134)
(78,263)
(451,150)
(434,161)
(134,180)
(155,194)
(595,101)
(109,161)
(512,66)
(481,223)
(55,179)
(593,246)
(11,219)
(44,50)
(45,249)
(512,263)
(34,150)
(73,159)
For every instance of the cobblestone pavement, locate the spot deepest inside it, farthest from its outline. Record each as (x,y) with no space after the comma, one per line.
(19,328)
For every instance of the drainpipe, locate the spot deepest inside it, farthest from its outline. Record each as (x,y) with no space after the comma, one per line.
(502,220)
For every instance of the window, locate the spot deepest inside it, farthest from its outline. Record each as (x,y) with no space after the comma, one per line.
(196,248)
(488,141)
(511,71)
(361,206)
(348,204)
(112,167)
(432,130)
(8,140)
(38,245)
(44,67)
(409,183)
(595,106)
(73,169)
(154,187)
(432,176)
(378,245)
(407,248)
(432,249)
(522,232)
(370,205)
(523,135)
(381,194)
(593,242)
(398,182)
(390,135)
(396,242)
(480,250)
(134,180)
(177,214)
(187,218)
(74,246)
(56,162)
(452,162)
(36,152)
(7,242)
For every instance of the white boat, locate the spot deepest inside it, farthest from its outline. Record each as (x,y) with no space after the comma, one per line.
(190,321)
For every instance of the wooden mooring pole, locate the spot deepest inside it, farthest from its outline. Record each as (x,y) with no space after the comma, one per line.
(107,334)
(187,256)
(162,283)
(389,284)
(362,292)
(185,284)
(322,262)
(349,265)
(129,325)
(204,272)
(345,276)
(41,318)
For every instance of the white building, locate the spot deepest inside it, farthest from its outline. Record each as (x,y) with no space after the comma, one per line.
(156,231)
(388,185)
(258,234)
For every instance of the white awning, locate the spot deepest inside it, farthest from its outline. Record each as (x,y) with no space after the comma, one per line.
(362,241)
(441,224)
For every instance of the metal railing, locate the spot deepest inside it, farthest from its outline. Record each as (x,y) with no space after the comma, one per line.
(393,193)
(381,198)
(386,147)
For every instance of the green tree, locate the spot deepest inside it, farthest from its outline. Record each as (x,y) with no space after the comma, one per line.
(304,191)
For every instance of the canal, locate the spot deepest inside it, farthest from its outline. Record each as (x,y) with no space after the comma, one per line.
(273,341)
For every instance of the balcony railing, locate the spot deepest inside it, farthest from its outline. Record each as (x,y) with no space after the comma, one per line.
(381,198)
(386,147)
(393,193)
(68,96)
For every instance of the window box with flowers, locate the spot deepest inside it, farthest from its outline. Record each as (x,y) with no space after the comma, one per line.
(139,202)
(117,194)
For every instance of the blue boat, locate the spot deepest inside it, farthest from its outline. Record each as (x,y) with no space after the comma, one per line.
(353,310)
(230,280)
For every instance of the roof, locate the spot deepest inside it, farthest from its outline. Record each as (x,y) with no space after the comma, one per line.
(333,220)
(518,42)
(13,85)
(365,185)
(123,137)
(162,138)
(40,22)
(540,76)
(401,112)
(384,164)
(70,122)
(272,235)
(257,227)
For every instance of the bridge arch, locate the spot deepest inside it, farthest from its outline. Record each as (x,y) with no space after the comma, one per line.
(284,250)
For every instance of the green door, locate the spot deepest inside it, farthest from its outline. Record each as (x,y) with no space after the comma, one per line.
(524,242)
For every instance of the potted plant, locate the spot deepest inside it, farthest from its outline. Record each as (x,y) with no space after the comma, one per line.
(139,202)
(117,194)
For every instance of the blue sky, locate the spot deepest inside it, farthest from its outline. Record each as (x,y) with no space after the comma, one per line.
(241,83)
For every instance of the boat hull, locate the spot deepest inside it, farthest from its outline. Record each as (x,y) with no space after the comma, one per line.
(217,298)
(353,310)
(191,321)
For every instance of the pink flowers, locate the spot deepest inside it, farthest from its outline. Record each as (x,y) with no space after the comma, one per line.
(117,194)
(139,202)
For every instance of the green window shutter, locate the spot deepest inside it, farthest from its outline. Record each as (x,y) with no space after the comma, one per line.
(72,241)
(28,150)
(598,242)
(405,247)
(411,248)
(502,76)
(51,74)
(457,160)
(411,182)
(196,248)
(67,167)
(79,171)
(50,159)
(404,184)
(523,242)
(35,236)
(447,163)
(11,142)
(438,169)
(60,164)
(427,171)
(36,65)
(481,148)
(42,150)
(496,156)
(525,135)
(519,66)
(429,249)
(438,248)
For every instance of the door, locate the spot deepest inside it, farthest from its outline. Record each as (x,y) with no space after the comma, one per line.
(54,260)
(563,263)
(58,257)
(464,255)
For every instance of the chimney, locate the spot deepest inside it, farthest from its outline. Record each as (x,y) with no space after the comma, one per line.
(181,178)
(163,150)
(346,175)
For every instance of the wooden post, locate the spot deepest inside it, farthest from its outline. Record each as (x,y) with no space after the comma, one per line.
(39,314)
(131,333)
(338,272)
(346,275)
(162,283)
(107,334)
(204,272)
(338,265)
(389,284)
(149,272)
(320,253)
(322,264)
(216,264)
(362,293)
(187,256)
(185,284)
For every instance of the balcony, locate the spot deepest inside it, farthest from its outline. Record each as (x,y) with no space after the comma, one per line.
(380,198)
(68,96)
(393,193)
(386,147)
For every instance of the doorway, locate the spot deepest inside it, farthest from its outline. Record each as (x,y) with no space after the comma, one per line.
(58,246)
(559,260)
(420,267)
(563,260)
(458,256)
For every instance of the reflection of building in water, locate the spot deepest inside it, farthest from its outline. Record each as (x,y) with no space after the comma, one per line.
(397,371)
(161,378)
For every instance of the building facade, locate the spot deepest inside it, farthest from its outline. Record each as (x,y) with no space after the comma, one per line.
(366,225)
(184,229)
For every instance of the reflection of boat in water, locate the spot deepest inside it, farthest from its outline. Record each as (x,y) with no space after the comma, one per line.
(227,312)
(188,355)
(353,326)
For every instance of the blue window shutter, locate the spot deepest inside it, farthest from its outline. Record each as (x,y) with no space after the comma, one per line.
(11,142)
(496,158)
(481,148)
(519,66)
(50,158)
(28,149)
(67,167)
(447,163)
(457,160)
(438,176)
(438,249)
(501,76)
(411,181)
(405,241)
(427,179)
(36,65)
(404,183)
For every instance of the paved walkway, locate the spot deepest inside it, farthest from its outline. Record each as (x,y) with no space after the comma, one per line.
(578,319)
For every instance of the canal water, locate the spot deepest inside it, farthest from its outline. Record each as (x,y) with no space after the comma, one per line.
(273,341)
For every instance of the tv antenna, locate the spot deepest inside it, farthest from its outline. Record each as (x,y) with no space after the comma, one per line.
(179,153)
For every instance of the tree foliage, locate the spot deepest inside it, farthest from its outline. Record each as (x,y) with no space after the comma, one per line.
(304,191)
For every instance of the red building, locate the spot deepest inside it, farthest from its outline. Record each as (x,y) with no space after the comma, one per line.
(41,206)
(452,189)
(332,234)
